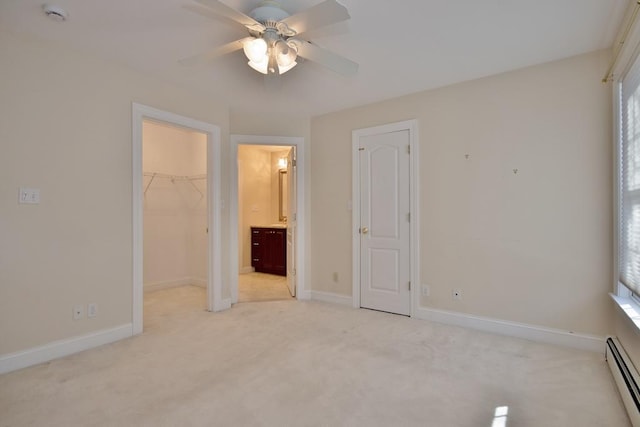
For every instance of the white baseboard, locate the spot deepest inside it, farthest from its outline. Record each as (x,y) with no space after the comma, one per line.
(184,281)
(198,281)
(331,297)
(514,329)
(166,284)
(303,295)
(22,359)
(247,270)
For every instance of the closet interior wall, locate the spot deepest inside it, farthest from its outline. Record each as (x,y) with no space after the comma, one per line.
(175,206)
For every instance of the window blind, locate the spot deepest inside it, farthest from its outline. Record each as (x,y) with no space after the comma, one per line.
(629,180)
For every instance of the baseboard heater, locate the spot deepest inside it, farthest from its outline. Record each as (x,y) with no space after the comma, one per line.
(626,378)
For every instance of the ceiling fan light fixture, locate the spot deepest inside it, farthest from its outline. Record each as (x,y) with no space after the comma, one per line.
(261,66)
(284,68)
(255,50)
(285,54)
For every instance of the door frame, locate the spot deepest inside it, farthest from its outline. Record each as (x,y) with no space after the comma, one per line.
(141,112)
(414,162)
(286,141)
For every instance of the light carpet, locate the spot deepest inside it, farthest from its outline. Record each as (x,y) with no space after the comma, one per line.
(290,363)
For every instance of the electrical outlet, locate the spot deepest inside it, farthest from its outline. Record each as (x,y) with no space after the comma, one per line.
(425,290)
(92,310)
(457,294)
(78,312)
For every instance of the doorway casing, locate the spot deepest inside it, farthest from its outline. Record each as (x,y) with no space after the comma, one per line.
(285,141)
(412,127)
(214,277)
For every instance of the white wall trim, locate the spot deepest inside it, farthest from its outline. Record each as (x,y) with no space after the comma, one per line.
(214,281)
(166,284)
(198,281)
(331,298)
(33,356)
(513,329)
(414,195)
(301,292)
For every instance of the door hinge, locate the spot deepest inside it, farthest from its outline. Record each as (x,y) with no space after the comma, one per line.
(409,217)
(408,149)
(361,149)
(294,272)
(294,163)
(409,285)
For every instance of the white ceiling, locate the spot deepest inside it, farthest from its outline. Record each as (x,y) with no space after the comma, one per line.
(402,46)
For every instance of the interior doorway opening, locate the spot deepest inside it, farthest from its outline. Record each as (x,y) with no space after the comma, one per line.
(175,226)
(264,249)
(140,115)
(267,218)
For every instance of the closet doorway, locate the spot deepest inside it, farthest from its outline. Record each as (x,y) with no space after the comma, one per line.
(176,215)
(175,252)
(267,219)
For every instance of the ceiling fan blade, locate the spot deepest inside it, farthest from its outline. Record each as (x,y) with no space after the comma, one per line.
(325,13)
(221,9)
(332,61)
(209,56)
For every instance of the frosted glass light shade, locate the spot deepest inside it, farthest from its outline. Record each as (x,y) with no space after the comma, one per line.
(284,69)
(285,54)
(255,50)
(260,66)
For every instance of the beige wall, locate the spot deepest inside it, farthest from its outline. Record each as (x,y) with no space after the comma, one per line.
(531,247)
(65,127)
(254,196)
(175,210)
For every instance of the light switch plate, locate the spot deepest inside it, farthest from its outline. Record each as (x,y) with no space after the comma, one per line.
(29,195)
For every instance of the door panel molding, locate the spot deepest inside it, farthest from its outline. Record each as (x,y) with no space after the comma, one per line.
(412,127)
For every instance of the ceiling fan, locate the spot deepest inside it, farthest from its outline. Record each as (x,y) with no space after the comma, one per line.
(274,43)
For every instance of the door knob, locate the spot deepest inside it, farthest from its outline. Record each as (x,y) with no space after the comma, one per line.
(365,230)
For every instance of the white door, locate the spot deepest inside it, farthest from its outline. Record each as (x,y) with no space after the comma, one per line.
(291,220)
(385,267)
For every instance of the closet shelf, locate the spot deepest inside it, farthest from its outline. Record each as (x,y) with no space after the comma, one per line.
(174,178)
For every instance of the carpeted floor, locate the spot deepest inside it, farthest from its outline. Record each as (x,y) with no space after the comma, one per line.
(286,363)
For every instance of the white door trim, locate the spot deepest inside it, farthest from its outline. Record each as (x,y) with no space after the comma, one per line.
(412,127)
(302,292)
(214,276)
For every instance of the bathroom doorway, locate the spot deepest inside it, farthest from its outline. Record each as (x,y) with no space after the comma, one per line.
(266,212)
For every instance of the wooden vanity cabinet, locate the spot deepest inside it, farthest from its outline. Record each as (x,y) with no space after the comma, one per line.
(269,250)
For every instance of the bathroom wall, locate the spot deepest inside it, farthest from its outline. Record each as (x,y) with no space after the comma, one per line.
(275,183)
(175,209)
(254,197)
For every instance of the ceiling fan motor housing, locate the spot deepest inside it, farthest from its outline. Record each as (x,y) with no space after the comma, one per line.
(268,11)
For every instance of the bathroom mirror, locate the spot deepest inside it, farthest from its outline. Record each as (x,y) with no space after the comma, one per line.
(283,195)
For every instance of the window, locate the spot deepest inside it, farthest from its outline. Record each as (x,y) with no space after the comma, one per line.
(629,183)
